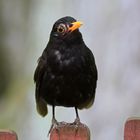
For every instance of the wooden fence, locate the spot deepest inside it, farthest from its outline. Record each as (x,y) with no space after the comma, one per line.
(131,132)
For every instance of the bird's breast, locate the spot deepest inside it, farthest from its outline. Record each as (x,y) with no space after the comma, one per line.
(64,61)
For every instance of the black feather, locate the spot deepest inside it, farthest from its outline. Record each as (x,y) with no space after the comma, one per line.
(66,74)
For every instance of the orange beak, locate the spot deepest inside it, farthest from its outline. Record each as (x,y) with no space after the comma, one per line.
(75,25)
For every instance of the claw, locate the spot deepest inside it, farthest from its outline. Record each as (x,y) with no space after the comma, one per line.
(55,124)
(77,121)
(77,125)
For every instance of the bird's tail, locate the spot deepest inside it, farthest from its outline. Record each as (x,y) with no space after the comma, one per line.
(41,107)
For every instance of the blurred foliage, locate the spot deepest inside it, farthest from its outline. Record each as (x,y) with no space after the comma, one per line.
(5,69)
(14,78)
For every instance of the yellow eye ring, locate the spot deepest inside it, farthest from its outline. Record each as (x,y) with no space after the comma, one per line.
(61,28)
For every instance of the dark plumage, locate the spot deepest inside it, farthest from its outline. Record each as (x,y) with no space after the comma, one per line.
(66,74)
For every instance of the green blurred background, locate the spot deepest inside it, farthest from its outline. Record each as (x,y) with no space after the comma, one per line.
(111,30)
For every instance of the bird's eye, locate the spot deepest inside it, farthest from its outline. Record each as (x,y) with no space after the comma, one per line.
(61,28)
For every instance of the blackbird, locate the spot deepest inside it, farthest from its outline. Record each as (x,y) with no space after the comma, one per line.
(66,74)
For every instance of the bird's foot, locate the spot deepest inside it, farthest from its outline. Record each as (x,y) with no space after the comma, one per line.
(76,124)
(55,125)
(77,121)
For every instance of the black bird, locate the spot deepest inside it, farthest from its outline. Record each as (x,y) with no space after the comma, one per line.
(66,74)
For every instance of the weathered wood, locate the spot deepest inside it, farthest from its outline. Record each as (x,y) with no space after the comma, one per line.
(68,131)
(132,129)
(8,135)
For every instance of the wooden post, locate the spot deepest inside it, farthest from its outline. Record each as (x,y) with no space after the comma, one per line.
(8,135)
(132,129)
(69,131)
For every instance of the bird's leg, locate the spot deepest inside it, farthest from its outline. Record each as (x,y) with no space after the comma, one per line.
(77,120)
(54,121)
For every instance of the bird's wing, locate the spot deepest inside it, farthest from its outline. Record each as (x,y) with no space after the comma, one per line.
(93,76)
(38,76)
(92,64)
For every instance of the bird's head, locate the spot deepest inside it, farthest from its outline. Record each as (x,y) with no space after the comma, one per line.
(66,28)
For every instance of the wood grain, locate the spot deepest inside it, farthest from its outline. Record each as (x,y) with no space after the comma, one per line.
(8,135)
(132,129)
(68,131)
